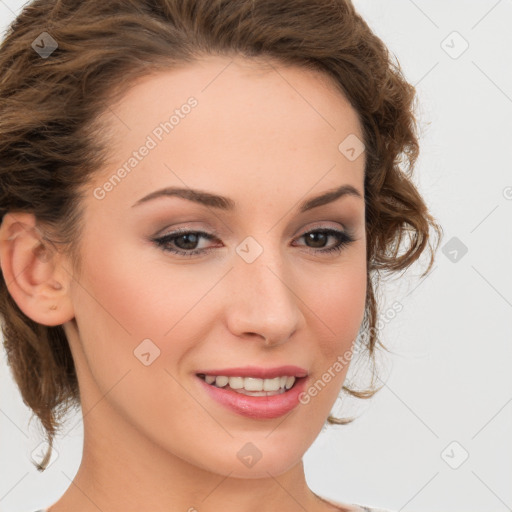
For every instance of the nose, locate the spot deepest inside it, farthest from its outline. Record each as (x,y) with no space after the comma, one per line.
(261,300)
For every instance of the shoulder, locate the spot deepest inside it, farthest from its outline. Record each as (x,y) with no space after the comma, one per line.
(373,509)
(352,507)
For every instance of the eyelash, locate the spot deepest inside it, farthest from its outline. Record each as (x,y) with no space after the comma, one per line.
(344,239)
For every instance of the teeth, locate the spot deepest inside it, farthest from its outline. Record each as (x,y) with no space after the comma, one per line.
(251,383)
(235,382)
(271,384)
(221,381)
(290,381)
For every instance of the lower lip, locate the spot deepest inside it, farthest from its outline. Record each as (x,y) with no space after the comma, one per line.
(265,407)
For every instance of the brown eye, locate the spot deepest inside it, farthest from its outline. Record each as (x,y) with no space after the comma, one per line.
(319,237)
(185,241)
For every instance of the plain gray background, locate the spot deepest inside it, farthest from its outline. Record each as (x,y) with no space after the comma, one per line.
(437,436)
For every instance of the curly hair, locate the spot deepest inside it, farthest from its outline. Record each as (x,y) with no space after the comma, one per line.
(50,145)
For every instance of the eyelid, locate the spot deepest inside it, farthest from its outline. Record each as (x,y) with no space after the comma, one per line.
(324,224)
(215,233)
(345,237)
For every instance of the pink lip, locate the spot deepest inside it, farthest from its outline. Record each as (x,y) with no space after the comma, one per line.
(257,372)
(257,407)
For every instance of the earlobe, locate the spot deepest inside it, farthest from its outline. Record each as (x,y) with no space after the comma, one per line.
(33,271)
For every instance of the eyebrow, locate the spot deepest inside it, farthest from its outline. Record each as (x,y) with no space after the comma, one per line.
(227,204)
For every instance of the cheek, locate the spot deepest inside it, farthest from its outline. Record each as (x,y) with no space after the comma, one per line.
(135,293)
(338,301)
(123,301)
(125,298)
(345,305)
(337,311)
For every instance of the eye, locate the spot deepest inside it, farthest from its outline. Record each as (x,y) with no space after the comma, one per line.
(186,241)
(319,236)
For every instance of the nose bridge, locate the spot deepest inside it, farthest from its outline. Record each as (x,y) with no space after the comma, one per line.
(263,301)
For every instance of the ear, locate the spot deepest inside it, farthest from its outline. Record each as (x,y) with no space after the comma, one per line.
(34,271)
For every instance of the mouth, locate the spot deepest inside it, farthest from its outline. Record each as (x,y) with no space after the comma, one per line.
(252,386)
(273,395)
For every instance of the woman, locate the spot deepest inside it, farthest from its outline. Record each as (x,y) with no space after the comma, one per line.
(197,199)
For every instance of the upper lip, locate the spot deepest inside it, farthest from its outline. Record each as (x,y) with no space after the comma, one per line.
(257,372)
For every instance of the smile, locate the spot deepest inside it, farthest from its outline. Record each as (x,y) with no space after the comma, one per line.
(251,386)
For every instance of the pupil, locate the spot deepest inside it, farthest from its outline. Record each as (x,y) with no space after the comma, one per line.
(186,236)
(313,236)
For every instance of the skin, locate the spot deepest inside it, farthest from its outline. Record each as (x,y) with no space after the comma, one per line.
(267,137)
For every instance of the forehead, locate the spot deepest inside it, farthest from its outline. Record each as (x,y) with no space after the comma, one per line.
(253,119)
(263,88)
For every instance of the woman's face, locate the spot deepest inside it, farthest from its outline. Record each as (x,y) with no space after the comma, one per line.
(255,288)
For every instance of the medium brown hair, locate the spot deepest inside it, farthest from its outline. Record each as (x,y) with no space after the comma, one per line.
(50,144)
